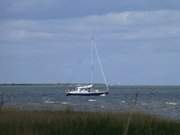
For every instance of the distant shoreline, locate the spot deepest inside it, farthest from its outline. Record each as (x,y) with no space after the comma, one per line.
(118,85)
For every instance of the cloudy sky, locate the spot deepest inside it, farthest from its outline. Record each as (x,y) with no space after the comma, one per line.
(48,41)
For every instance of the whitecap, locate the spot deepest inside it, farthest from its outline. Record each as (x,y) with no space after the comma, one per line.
(102,106)
(171,103)
(103,95)
(49,102)
(64,103)
(123,101)
(91,100)
(144,104)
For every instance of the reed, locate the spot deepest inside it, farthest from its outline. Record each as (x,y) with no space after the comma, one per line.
(68,122)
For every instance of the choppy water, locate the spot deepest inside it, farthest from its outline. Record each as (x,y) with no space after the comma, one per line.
(164,101)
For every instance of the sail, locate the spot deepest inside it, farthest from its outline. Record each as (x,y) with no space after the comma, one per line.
(99,62)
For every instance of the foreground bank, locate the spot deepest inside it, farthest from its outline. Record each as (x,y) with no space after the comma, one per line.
(14,122)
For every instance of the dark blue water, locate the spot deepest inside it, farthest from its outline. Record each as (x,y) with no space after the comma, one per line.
(159,100)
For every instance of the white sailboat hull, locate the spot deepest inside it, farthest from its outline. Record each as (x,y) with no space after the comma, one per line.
(86,93)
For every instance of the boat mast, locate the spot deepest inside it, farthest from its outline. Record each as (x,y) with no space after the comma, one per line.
(92,61)
(100,63)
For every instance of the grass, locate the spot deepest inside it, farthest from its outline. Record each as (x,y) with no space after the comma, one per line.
(14,122)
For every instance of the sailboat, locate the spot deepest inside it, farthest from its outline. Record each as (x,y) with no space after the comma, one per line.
(89,90)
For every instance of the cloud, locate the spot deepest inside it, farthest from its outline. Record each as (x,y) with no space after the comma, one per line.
(131,25)
(54,9)
(136,47)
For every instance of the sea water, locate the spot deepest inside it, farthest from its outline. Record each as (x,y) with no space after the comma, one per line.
(159,100)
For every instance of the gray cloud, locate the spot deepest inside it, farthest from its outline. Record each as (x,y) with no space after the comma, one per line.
(45,9)
(49,42)
(115,27)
